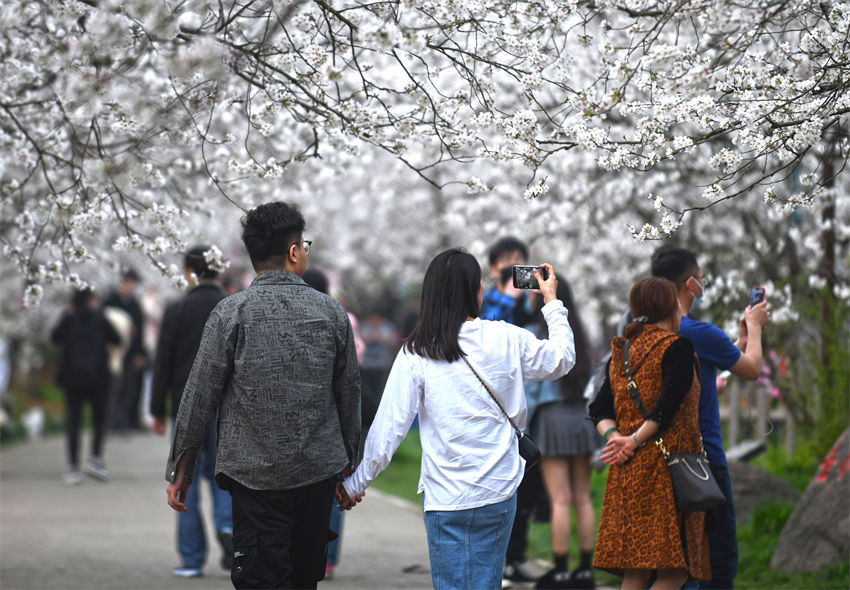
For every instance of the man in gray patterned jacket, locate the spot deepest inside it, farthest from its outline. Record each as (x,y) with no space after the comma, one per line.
(277,362)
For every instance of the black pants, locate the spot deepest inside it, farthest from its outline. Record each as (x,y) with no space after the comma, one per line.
(74,398)
(529,497)
(125,398)
(280,537)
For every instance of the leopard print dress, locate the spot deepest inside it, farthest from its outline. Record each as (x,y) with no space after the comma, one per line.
(639,527)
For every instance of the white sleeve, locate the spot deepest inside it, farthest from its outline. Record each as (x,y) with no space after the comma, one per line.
(544,360)
(398,407)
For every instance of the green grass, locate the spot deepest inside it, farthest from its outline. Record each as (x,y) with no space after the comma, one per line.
(756,539)
(401,477)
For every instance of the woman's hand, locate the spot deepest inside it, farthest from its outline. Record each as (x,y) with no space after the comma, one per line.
(344,501)
(549,287)
(619,449)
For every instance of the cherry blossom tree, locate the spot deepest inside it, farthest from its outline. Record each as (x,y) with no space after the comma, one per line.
(130,129)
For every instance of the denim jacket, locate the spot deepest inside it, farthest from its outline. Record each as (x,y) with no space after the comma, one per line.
(277,362)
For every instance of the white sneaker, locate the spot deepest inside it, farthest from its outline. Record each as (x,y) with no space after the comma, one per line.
(97,469)
(73,477)
(188,572)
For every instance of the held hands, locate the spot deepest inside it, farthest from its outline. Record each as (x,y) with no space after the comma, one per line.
(346,502)
(548,288)
(618,449)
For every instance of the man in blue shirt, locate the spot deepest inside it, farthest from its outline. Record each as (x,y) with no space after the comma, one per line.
(512,305)
(715,351)
(504,301)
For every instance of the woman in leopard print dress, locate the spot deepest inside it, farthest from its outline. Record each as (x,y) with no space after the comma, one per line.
(640,530)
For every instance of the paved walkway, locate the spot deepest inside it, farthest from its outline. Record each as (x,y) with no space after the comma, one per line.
(120,535)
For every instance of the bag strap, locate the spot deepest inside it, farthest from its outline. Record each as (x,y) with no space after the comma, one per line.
(631,386)
(495,399)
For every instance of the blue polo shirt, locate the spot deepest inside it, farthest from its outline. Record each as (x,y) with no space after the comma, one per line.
(715,351)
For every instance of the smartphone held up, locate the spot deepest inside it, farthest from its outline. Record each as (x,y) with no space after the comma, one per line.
(524,276)
(756,296)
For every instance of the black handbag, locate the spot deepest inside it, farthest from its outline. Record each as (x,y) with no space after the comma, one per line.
(527,449)
(694,487)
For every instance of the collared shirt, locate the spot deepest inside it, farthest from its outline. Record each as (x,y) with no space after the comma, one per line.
(469,449)
(278,363)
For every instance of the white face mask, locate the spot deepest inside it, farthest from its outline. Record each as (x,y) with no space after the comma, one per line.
(698,300)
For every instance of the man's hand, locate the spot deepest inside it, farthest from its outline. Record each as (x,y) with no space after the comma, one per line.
(757,315)
(158,426)
(176,491)
(346,502)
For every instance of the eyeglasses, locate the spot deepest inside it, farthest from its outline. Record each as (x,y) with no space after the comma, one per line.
(305,243)
(704,280)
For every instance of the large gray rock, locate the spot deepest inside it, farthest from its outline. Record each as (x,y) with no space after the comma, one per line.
(753,487)
(817,535)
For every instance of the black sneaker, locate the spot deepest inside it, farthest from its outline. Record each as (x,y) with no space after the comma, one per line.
(226,540)
(554,579)
(583,580)
(518,571)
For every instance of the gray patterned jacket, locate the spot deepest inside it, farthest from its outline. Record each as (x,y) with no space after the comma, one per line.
(277,362)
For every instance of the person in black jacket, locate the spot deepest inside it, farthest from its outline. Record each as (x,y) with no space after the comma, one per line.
(83,333)
(179,339)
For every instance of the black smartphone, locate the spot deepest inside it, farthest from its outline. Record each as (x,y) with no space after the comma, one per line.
(756,295)
(524,276)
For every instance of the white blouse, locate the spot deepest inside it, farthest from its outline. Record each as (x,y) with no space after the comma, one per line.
(469,450)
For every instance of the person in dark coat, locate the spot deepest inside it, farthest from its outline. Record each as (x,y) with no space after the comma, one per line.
(84,333)
(179,339)
(127,392)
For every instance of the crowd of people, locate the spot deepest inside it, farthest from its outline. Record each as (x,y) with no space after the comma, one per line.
(289,409)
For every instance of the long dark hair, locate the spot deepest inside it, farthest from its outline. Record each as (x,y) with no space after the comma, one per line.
(449,297)
(572,384)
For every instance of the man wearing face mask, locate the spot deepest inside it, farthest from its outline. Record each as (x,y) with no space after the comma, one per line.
(715,351)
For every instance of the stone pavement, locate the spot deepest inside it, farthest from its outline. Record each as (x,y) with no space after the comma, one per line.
(121,534)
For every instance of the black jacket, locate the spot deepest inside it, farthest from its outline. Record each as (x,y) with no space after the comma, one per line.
(179,339)
(83,335)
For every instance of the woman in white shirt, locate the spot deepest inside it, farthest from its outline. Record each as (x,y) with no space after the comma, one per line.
(471,466)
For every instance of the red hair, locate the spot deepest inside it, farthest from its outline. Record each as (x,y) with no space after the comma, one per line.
(651,299)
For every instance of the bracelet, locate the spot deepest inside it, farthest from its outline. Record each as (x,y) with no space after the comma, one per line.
(637,442)
(607,432)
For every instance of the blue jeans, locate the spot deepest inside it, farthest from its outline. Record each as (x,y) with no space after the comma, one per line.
(467,547)
(722,538)
(336,526)
(191,540)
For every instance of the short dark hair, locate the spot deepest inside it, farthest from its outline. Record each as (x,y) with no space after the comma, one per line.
(197,263)
(81,298)
(269,230)
(506,245)
(130,273)
(674,264)
(449,297)
(653,298)
(316,279)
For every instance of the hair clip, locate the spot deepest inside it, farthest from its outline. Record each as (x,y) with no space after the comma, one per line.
(641,320)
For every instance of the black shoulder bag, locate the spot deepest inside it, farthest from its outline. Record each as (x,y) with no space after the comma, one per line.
(694,486)
(527,449)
